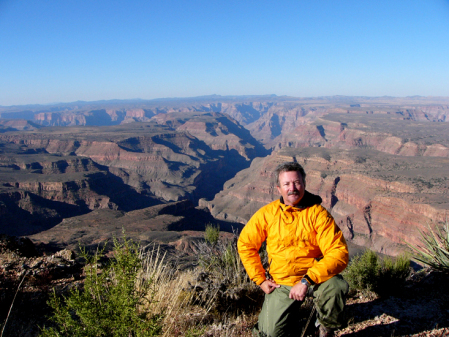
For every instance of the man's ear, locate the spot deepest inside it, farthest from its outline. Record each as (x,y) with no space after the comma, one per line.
(279,190)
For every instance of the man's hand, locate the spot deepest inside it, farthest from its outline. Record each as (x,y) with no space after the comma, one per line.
(268,286)
(298,292)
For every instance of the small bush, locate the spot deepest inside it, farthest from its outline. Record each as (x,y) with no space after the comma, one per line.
(212,233)
(361,273)
(434,250)
(368,272)
(109,304)
(392,274)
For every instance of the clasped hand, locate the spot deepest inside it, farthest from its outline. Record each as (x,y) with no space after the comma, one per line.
(298,292)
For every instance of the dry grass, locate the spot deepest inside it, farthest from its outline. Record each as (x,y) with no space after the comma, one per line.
(185,310)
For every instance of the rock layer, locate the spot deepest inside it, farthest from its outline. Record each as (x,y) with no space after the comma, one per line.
(55,173)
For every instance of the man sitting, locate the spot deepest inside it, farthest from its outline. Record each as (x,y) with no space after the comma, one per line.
(305,249)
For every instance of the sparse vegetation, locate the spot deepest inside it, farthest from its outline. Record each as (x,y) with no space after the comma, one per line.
(212,233)
(218,299)
(137,294)
(206,300)
(369,272)
(223,283)
(112,300)
(393,273)
(434,250)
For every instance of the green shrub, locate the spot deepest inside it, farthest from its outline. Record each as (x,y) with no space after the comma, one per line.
(212,233)
(392,274)
(368,272)
(109,303)
(361,273)
(434,250)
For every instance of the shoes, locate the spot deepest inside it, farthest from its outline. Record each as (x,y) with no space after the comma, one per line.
(322,331)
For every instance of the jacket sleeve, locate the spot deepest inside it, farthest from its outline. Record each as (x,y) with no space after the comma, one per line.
(333,246)
(249,243)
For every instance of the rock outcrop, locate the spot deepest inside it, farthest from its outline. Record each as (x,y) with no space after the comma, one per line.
(166,161)
(17,125)
(172,225)
(383,133)
(27,276)
(38,189)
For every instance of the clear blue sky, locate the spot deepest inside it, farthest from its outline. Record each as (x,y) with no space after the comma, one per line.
(68,50)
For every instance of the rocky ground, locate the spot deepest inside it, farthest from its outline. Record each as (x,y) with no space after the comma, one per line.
(418,309)
(28,276)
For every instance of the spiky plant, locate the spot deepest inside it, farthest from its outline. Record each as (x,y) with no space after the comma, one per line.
(434,250)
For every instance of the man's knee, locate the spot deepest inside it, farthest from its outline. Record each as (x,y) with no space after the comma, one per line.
(330,300)
(335,286)
(279,314)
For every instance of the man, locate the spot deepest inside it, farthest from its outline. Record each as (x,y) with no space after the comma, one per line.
(306,252)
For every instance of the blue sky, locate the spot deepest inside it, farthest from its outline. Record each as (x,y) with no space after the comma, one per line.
(68,50)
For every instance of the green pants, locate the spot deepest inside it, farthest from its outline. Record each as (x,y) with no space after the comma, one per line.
(280,314)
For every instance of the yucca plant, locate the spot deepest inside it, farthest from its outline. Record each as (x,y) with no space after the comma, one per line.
(434,250)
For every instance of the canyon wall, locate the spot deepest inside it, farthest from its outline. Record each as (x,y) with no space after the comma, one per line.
(126,167)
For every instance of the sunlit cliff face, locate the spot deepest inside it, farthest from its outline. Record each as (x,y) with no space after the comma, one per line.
(291,187)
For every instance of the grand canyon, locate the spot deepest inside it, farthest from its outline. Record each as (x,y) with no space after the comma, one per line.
(162,169)
(81,174)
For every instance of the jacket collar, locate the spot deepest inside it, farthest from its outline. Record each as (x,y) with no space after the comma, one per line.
(307,200)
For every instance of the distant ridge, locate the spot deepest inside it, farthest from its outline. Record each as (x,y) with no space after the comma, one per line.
(211,98)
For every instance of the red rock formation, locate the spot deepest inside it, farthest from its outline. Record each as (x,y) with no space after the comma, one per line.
(155,159)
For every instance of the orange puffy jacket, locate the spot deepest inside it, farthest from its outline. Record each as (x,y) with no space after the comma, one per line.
(300,240)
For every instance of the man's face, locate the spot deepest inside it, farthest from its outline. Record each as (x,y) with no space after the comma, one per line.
(291,187)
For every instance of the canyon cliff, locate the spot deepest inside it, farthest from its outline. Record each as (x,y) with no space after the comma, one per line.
(54,173)
(380,164)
